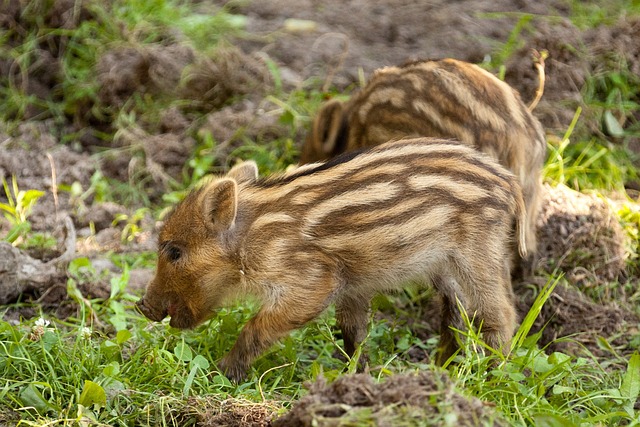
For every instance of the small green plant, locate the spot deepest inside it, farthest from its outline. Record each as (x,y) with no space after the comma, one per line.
(271,157)
(132,227)
(295,110)
(18,208)
(587,164)
(201,161)
(39,240)
(514,42)
(590,14)
(533,387)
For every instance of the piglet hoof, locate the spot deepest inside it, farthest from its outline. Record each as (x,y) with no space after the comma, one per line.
(363,364)
(234,371)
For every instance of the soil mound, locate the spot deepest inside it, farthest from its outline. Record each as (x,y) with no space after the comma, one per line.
(574,324)
(580,235)
(401,399)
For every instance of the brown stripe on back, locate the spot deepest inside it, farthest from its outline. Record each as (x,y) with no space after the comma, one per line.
(433,197)
(279,180)
(471,80)
(458,166)
(438,97)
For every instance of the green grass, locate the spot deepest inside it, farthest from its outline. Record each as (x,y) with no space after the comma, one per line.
(112,366)
(590,14)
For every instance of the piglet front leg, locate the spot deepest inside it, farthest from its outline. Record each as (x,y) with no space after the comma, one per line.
(273,323)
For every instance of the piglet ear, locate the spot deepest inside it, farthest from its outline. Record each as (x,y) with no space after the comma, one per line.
(244,172)
(220,204)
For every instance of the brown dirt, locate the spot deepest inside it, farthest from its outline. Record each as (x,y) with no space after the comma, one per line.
(370,35)
(425,396)
(566,69)
(573,324)
(580,235)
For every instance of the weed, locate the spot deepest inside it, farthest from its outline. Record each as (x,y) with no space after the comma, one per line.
(295,111)
(513,43)
(18,208)
(39,240)
(132,227)
(587,164)
(590,14)
(532,387)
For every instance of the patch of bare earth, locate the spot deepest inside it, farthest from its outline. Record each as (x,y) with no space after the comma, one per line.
(574,324)
(580,235)
(232,412)
(346,37)
(428,396)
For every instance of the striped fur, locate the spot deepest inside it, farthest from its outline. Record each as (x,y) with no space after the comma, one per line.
(444,98)
(422,210)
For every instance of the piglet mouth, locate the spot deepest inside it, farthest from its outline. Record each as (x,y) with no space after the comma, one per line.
(150,312)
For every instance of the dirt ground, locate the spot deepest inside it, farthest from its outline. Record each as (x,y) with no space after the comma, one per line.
(336,43)
(427,396)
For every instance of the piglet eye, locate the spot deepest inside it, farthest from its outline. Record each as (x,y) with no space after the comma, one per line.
(173,253)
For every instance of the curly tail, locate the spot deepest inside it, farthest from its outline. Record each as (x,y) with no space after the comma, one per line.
(521,220)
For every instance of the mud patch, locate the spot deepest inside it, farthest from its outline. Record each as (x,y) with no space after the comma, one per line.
(574,324)
(401,399)
(233,125)
(361,35)
(566,70)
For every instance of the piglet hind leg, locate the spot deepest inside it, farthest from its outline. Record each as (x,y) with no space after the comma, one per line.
(272,323)
(498,318)
(352,315)
(488,302)
(451,322)
(495,307)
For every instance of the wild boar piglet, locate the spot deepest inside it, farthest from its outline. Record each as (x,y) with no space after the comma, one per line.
(426,211)
(443,98)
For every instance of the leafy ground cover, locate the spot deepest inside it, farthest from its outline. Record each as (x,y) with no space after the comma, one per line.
(112,110)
